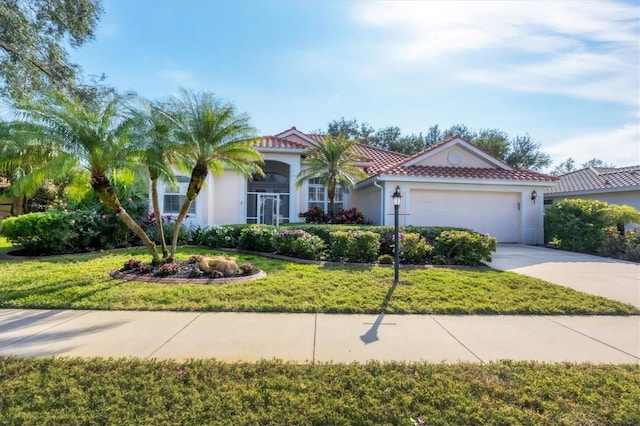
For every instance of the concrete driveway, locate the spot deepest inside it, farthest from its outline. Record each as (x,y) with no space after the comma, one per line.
(610,278)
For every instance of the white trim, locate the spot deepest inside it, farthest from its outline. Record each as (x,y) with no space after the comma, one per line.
(593,191)
(294,131)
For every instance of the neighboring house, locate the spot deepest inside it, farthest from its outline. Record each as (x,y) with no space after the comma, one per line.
(612,185)
(452,183)
(5,203)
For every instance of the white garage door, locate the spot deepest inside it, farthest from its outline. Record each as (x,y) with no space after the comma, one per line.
(494,213)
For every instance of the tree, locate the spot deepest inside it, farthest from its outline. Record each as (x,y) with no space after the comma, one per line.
(493,141)
(461,130)
(32,36)
(596,162)
(525,154)
(160,153)
(567,166)
(351,129)
(28,161)
(214,137)
(96,137)
(332,162)
(434,135)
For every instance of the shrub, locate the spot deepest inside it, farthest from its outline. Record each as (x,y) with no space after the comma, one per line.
(298,243)
(167,269)
(215,237)
(355,246)
(613,244)
(414,248)
(314,215)
(168,224)
(349,216)
(257,237)
(577,225)
(48,232)
(385,259)
(131,264)
(632,245)
(463,248)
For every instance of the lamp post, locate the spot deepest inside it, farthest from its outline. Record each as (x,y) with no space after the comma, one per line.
(396,249)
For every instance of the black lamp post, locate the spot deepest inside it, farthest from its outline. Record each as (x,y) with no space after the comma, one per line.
(396,249)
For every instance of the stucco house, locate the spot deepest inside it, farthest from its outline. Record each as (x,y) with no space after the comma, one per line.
(619,185)
(452,183)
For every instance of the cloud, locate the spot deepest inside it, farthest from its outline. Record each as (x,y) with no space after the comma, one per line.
(618,146)
(588,50)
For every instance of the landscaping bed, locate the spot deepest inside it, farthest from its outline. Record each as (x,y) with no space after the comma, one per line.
(82,281)
(108,391)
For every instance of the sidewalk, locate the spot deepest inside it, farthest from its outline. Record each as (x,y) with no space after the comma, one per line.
(319,337)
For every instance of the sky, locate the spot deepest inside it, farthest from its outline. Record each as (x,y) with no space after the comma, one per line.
(566,72)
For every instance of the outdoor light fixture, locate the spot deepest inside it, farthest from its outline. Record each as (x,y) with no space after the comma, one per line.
(397,196)
(534,195)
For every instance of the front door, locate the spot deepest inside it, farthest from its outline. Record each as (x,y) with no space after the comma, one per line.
(267,208)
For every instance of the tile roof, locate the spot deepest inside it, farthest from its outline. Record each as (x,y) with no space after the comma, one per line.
(276,142)
(466,173)
(594,179)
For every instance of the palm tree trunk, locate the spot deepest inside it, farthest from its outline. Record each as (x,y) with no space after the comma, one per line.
(106,193)
(198,176)
(331,194)
(158,215)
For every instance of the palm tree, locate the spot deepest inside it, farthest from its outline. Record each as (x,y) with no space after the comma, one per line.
(160,154)
(214,137)
(333,163)
(28,161)
(97,136)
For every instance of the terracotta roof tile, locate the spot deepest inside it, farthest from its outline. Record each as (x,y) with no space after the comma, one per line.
(468,173)
(598,178)
(276,142)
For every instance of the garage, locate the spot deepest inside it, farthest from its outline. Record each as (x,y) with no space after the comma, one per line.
(494,213)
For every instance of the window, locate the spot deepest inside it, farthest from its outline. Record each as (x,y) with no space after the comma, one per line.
(174,196)
(318,196)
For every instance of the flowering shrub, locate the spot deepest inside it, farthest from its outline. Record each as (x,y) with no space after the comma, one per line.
(216,274)
(414,248)
(144,269)
(214,237)
(257,237)
(355,246)
(463,248)
(613,243)
(298,243)
(131,264)
(167,269)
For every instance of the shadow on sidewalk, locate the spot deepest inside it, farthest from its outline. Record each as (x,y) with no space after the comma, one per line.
(372,334)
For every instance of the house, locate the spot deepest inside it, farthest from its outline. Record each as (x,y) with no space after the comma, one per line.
(612,185)
(452,183)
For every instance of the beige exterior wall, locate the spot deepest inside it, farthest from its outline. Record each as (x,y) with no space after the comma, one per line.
(228,195)
(367,201)
(467,159)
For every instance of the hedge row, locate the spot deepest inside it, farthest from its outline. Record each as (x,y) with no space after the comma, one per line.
(354,243)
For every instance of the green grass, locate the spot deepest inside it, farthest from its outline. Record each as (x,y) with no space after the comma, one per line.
(101,391)
(82,282)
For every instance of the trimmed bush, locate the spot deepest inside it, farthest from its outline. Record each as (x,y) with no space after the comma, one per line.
(257,237)
(298,243)
(414,249)
(576,225)
(48,232)
(215,237)
(354,246)
(463,248)
(632,245)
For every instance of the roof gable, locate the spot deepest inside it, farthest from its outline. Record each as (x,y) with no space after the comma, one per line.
(295,135)
(456,152)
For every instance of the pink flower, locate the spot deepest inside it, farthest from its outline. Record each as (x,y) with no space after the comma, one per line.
(181,373)
(129,199)
(104,216)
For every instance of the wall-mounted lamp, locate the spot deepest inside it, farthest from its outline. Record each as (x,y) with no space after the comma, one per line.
(534,195)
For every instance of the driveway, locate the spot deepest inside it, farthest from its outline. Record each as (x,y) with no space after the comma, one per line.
(610,278)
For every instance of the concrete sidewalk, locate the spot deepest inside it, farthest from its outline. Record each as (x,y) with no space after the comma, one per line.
(611,278)
(319,337)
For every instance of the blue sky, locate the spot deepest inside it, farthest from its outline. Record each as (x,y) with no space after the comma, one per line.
(566,72)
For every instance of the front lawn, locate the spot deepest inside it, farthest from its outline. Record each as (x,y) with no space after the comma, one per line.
(107,391)
(82,282)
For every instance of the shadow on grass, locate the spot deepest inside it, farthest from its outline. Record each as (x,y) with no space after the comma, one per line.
(372,334)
